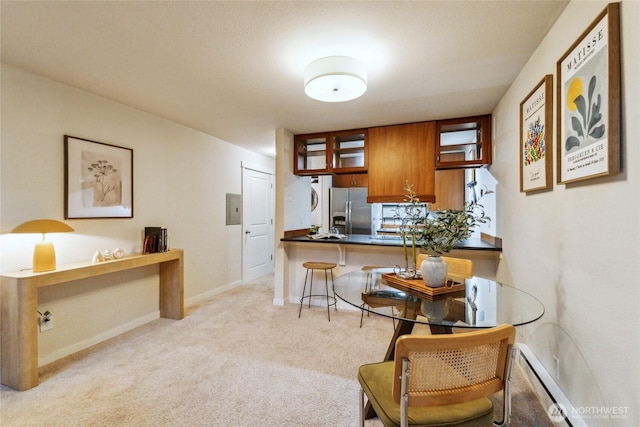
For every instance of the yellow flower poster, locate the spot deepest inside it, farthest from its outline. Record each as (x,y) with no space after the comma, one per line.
(589,102)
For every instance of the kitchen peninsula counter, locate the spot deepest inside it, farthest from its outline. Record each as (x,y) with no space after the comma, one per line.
(473,244)
(356,251)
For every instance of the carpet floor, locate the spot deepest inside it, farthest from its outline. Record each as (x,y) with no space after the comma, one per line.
(234,360)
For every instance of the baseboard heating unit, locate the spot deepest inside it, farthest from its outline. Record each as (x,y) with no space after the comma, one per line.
(559,408)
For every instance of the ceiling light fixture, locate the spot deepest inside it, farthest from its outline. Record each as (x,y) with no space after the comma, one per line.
(335,79)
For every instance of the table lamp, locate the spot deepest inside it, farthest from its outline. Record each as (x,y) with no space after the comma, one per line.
(44,254)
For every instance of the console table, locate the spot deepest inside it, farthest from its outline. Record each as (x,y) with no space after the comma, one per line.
(19,305)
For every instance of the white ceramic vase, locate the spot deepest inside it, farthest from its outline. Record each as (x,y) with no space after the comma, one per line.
(434,271)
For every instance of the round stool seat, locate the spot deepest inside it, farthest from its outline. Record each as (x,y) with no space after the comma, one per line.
(314,265)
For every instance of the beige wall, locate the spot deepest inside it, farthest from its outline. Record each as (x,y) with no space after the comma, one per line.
(577,247)
(181,177)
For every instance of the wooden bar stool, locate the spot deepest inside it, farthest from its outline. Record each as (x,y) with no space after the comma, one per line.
(326,266)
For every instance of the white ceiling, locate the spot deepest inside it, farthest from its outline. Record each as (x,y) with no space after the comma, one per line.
(234,69)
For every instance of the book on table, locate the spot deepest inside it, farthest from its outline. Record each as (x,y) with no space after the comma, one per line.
(155,240)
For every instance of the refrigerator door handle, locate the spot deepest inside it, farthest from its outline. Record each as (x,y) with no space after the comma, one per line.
(347,214)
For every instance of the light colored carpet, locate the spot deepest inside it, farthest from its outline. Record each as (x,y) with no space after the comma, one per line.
(234,360)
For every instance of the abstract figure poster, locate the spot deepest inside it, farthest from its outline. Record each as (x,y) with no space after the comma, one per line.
(588,109)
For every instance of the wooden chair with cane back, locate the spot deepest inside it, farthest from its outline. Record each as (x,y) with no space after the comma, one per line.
(440,380)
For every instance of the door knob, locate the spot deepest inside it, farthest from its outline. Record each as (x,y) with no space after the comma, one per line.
(247,232)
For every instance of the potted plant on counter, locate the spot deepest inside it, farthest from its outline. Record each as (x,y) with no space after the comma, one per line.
(437,233)
(442,230)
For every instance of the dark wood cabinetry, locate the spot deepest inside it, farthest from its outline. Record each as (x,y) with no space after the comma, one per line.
(351,180)
(331,153)
(470,136)
(311,154)
(449,186)
(431,156)
(398,154)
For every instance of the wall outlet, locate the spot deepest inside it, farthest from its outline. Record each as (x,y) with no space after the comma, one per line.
(46,321)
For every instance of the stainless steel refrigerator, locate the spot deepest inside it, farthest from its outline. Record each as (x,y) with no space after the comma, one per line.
(349,211)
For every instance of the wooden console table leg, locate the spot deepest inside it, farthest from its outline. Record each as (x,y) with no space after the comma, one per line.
(172,289)
(19,340)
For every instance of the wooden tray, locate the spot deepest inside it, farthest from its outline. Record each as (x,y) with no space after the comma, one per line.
(418,288)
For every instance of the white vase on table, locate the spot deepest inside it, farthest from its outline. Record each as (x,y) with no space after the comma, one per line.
(434,271)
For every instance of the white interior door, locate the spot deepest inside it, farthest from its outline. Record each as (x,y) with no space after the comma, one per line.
(257,223)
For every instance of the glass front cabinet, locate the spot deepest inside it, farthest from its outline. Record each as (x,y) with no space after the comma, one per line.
(331,153)
(464,142)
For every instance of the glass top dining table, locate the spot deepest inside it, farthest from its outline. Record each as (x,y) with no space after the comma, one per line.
(480,303)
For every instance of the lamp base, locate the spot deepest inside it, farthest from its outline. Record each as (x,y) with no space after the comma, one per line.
(44,257)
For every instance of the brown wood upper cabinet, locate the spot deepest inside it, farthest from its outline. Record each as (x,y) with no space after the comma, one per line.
(470,136)
(342,152)
(350,180)
(450,186)
(398,154)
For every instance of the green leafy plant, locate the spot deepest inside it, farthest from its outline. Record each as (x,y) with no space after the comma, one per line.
(445,228)
(437,232)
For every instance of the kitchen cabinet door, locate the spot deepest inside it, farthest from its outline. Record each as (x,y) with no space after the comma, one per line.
(350,180)
(470,136)
(331,153)
(349,151)
(311,154)
(449,186)
(398,154)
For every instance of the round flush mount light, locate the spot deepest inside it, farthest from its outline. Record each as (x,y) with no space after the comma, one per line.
(335,79)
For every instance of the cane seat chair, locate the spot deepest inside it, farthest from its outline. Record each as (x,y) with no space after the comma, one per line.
(442,380)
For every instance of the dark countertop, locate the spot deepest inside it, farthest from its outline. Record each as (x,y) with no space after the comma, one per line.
(361,239)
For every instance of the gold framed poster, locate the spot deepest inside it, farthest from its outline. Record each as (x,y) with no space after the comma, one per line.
(536,138)
(588,87)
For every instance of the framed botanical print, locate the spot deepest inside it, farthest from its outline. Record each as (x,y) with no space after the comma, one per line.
(536,138)
(588,110)
(98,180)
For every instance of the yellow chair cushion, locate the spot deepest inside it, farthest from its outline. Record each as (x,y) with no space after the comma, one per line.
(376,380)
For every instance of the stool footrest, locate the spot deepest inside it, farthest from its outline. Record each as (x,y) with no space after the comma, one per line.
(323,296)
